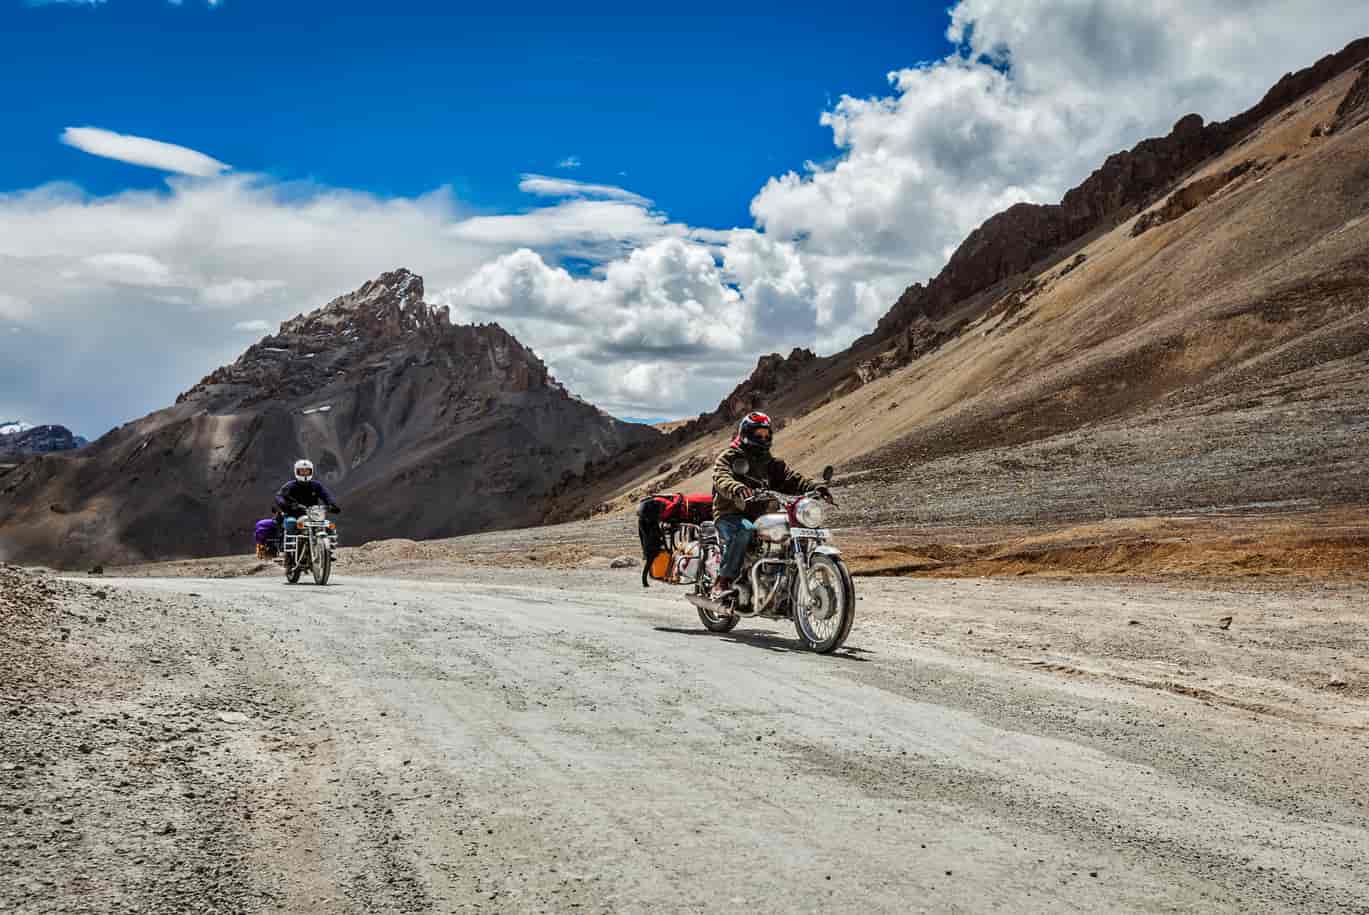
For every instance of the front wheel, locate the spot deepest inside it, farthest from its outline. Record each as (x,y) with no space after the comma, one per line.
(322,566)
(294,564)
(703,586)
(824,624)
(293,568)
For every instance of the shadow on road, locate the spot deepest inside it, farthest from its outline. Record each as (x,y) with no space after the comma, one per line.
(769,641)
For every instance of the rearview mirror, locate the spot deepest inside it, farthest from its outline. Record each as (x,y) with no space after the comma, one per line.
(827,474)
(741,466)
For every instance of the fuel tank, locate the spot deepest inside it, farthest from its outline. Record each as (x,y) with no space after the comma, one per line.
(773,528)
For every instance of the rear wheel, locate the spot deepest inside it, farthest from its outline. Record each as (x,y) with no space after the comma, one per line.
(826,621)
(322,566)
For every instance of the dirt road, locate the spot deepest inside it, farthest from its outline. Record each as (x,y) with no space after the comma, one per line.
(567,742)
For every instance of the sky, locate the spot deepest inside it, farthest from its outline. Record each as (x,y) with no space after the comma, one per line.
(650,201)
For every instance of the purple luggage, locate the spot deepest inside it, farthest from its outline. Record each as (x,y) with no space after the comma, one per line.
(266,531)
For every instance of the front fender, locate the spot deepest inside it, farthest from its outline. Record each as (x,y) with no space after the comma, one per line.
(827,550)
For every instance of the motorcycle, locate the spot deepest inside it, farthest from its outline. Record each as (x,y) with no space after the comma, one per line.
(310,547)
(791,571)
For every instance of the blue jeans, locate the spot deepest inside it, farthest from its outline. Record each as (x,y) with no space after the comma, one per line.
(736,532)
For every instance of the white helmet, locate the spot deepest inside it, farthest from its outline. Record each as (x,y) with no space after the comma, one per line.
(304,470)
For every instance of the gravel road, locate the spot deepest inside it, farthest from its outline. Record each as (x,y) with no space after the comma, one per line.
(567,742)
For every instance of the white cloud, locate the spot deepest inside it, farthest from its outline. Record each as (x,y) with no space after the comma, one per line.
(238,291)
(583,228)
(543,186)
(121,268)
(141,151)
(569,162)
(13,308)
(664,312)
(257,327)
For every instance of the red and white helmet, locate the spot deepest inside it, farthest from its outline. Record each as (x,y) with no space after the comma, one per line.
(754,432)
(304,470)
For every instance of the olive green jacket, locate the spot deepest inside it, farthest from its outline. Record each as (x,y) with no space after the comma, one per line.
(727,488)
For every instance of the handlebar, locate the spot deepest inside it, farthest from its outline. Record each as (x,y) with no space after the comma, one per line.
(767,495)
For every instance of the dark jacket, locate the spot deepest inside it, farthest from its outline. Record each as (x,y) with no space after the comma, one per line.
(299,493)
(772,471)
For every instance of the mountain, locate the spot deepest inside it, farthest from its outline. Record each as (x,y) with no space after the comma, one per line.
(421,428)
(19,440)
(1185,330)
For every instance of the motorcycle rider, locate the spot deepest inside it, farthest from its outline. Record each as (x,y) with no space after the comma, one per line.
(297,495)
(747,458)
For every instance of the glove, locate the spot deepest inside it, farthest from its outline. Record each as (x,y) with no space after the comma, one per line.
(746,492)
(335,509)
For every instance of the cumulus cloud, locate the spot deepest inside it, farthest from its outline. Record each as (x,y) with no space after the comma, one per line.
(637,312)
(141,151)
(665,312)
(569,162)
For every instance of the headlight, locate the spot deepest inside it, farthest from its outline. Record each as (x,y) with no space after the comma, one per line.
(317,512)
(810,513)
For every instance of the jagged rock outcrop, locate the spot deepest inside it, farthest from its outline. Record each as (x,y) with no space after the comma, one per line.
(1190,196)
(31,440)
(1010,242)
(422,428)
(1354,108)
(918,339)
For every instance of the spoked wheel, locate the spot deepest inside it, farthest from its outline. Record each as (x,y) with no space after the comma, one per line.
(712,622)
(322,566)
(293,570)
(715,623)
(824,624)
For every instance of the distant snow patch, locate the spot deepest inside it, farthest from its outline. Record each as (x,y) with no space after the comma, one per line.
(14,427)
(321,408)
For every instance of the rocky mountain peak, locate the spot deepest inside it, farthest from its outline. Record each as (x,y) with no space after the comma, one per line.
(382,327)
(390,305)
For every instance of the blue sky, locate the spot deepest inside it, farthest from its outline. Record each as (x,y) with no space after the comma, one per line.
(650,201)
(400,97)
